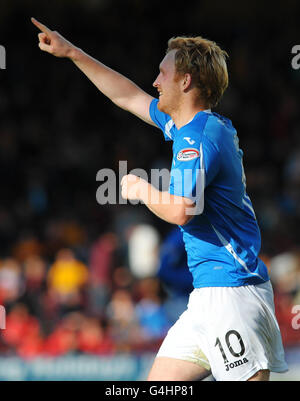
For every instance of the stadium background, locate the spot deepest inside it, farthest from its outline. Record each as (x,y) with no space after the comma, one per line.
(90,289)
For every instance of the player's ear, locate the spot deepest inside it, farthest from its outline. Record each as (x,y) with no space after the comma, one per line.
(187,81)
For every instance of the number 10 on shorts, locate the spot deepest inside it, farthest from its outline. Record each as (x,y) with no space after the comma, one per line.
(237,353)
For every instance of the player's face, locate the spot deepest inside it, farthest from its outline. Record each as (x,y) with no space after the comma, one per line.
(168,85)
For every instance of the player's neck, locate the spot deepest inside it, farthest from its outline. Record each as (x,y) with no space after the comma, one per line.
(185,114)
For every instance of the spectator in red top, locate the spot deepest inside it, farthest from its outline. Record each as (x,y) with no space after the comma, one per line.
(22,334)
(93,339)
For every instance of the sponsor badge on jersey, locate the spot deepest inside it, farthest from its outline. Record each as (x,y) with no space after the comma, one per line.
(187,154)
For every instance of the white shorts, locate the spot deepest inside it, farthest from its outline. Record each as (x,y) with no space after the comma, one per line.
(231,331)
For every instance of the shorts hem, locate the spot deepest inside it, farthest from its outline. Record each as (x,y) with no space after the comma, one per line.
(249,374)
(279,369)
(257,368)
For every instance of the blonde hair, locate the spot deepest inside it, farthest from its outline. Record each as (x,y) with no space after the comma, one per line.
(206,62)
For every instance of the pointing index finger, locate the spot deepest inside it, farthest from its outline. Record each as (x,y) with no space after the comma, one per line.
(41,26)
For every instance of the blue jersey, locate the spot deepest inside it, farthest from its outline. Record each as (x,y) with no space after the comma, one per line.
(222,240)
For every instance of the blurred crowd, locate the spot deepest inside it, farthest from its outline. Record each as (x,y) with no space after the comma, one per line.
(79,277)
(100,306)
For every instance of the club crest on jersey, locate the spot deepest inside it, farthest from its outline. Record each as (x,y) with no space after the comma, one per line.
(187,154)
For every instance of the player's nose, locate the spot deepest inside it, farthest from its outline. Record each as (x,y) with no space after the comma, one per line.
(155,83)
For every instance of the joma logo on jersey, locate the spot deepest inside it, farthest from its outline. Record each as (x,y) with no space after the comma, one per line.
(190,141)
(235,364)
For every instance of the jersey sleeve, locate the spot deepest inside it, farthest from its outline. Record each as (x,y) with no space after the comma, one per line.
(162,120)
(193,169)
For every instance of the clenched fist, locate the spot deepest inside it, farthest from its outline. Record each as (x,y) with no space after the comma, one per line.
(52,42)
(133,187)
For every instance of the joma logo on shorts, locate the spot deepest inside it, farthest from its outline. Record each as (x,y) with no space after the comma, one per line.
(235,364)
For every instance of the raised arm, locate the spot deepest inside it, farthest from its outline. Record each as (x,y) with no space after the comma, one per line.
(119,89)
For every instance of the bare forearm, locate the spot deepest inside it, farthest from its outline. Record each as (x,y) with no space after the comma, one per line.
(119,89)
(111,83)
(170,208)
